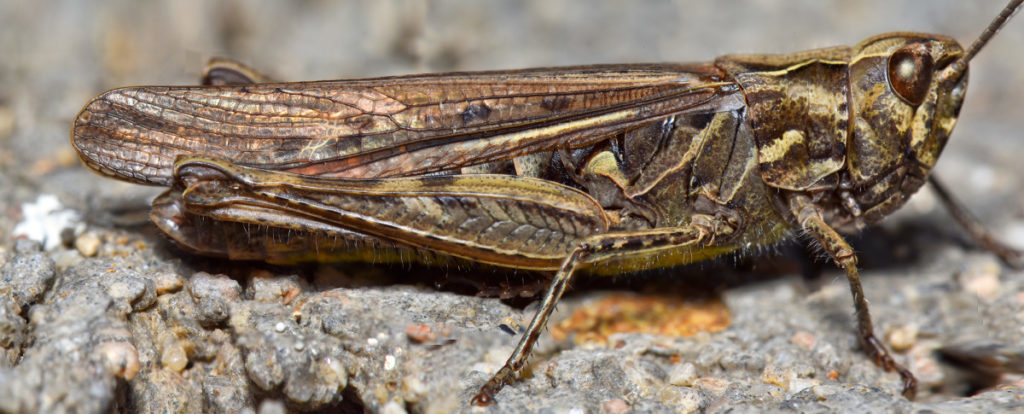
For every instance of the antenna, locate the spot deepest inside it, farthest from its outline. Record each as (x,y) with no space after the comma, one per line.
(957,68)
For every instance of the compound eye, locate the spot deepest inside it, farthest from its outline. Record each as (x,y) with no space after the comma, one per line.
(910,72)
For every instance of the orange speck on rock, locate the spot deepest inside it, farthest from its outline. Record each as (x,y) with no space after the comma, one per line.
(420,333)
(643,313)
(290,295)
(803,339)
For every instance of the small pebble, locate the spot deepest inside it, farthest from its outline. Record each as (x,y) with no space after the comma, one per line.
(266,287)
(683,374)
(777,376)
(414,388)
(420,333)
(121,359)
(712,385)
(615,406)
(393,408)
(926,367)
(88,244)
(902,338)
(800,384)
(825,391)
(981,279)
(204,285)
(272,407)
(168,282)
(290,295)
(803,339)
(127,289)
(682,399)
(332,372)
(174,357)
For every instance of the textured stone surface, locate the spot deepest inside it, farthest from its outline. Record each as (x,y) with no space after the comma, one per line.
(114,318)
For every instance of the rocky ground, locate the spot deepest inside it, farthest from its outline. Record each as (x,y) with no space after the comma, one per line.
(99,313)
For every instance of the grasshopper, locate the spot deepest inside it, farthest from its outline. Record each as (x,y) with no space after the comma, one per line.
(604,169)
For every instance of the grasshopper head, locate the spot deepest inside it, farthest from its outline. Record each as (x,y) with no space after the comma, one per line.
(906,94)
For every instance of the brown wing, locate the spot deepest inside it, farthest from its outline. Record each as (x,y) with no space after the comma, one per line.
(395,126)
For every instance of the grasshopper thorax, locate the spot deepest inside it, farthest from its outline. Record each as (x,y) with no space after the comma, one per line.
(902,112)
